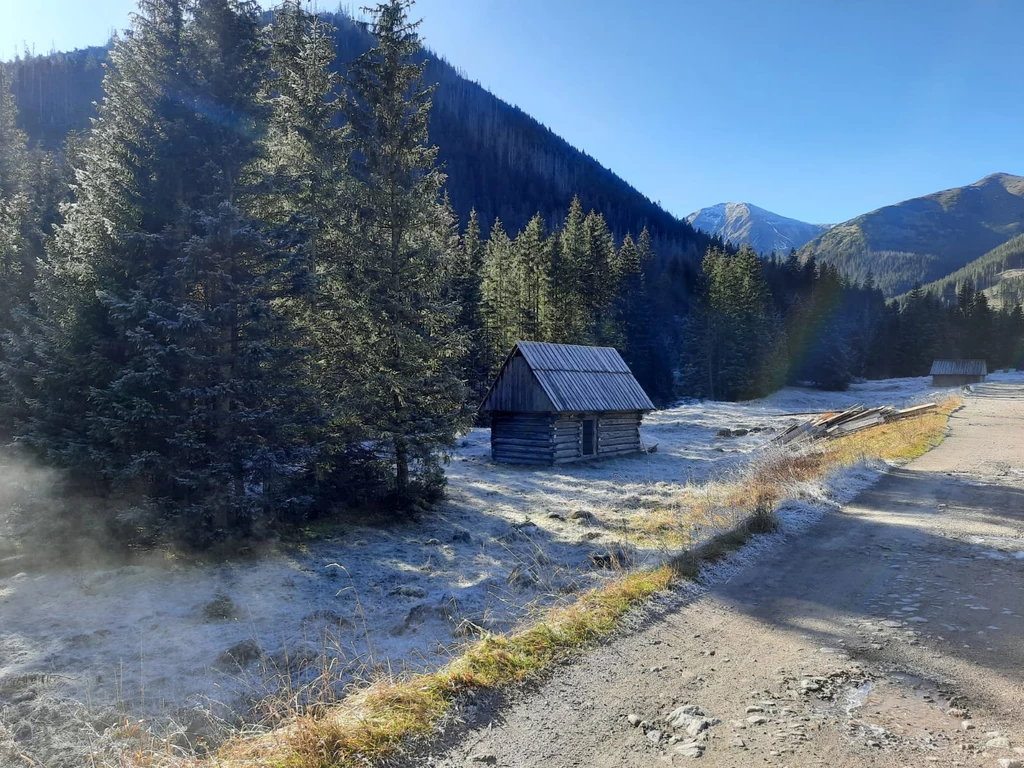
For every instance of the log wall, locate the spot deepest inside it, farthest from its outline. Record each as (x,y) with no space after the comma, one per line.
(557,438)
(954,380)
(568,438)
(618,434)
(522,438)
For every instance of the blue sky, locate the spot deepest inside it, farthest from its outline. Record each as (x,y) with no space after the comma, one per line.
(814,109)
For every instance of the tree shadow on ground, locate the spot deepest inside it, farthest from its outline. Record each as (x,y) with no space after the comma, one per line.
(943,557)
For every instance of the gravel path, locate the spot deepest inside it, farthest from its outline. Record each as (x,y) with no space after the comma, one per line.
(889,634)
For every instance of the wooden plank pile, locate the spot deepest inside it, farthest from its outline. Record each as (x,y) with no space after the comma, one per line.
(828,425)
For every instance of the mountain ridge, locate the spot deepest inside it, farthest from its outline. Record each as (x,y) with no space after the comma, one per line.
(926,238)
(747,224)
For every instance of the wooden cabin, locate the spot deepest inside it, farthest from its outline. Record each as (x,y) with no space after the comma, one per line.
(559,403)
(955,373)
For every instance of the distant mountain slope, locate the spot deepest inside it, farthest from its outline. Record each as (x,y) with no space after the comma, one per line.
(926,238)
(764,231)
(999,273)
(499,160)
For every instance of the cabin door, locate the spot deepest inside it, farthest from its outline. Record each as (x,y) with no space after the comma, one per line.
(589,437)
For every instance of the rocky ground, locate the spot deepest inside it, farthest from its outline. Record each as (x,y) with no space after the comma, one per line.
(889,634)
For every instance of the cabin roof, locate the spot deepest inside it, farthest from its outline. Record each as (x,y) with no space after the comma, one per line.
(959,368)
(578,378)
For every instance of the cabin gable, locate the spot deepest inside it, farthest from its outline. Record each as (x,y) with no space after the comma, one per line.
(517,389)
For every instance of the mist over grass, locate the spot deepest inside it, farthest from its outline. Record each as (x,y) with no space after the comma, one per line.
(48,520)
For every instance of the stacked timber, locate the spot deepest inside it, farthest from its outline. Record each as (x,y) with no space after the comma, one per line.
(827,425)
(619,433)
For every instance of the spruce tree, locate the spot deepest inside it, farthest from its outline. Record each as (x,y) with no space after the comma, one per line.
(735,343)
(304,164)
(17,257)
(466,283)
(307,193)
(642,343)
(406,342)
(466,290)
(918,334)
(162,309)
(500,297)
(17,267)
(701,336)
(569,318)
(533,262)
(599,283)
(981,339)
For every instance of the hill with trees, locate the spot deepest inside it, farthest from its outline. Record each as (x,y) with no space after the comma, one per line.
(999,274)
(500,161)
(926,238)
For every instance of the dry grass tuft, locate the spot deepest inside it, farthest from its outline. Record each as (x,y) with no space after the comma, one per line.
(899,441)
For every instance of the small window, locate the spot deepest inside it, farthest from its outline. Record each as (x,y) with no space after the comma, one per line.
(589,437)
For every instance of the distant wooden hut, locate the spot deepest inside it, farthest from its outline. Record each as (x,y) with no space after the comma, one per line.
(954,373)
(558,403)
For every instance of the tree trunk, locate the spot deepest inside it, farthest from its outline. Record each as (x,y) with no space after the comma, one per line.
(401,466)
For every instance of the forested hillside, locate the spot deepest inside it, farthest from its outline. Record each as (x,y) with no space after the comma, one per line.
(999,273)
(926,238)
(499,160)
(243,299)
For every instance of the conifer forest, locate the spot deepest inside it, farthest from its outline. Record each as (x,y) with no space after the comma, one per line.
(249,292)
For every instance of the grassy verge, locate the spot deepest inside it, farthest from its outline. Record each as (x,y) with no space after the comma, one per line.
(373,723)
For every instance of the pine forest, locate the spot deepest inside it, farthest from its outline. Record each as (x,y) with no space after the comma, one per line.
(252,292)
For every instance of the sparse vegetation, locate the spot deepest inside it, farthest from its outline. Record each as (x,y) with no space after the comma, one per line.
(220,608)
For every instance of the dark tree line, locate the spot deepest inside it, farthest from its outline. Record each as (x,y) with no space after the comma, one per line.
(759,324)
(924,327)
(737,327)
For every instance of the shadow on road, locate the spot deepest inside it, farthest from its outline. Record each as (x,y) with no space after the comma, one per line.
(941,555)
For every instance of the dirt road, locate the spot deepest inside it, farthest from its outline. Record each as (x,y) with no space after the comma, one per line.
(889,634)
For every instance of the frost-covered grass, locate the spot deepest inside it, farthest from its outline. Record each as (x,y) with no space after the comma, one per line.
(378,719)
(312,623)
